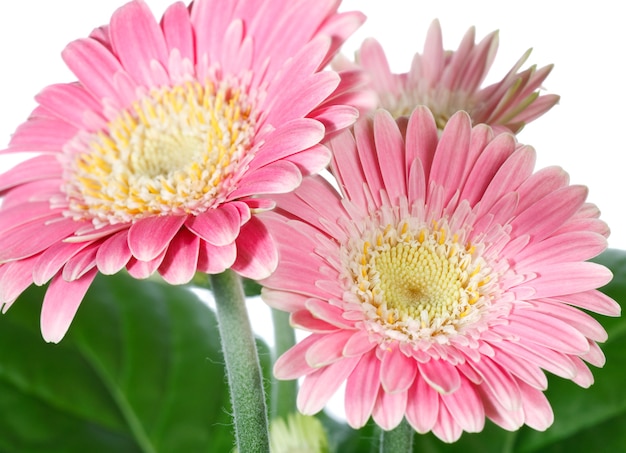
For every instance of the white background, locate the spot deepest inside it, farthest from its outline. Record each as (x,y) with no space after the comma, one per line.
(585,40)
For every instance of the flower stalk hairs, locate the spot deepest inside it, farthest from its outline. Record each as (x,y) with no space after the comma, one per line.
(441,282)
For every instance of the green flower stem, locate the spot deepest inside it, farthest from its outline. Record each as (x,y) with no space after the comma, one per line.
(283,392)
(242,364)
(398,440)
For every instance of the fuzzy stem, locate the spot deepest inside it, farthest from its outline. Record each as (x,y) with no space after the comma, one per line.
(398,440)
(283,392)
(242,364)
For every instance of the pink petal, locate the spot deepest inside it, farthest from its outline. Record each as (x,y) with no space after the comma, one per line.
(177,30)
(292,364)
(421,139)
(442,376)
(50,262)
(397,371)
(328,349)
(79,264)
(537,411)
(61,303)
(94,65)
(319,386)
(144,269)
(361,390)
(580,276)
(257,256)
(181,259)
(137,40)
(113,254)
(69,101)
(277,177)
(304,319)
(595,301)
(288,139)
(328,313)
(422,406)
(553,210)
(449,161)
(390,149)
(42,134)
(219,226)
(359,344)
(500,383)
(446,428)
(466,408)
(33,237)
(35,169)
(389,409)
(214,259)
(15,277)
(149,237)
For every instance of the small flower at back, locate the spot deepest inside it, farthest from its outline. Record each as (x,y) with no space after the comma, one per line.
(442,282)
(449,81)
(154,159)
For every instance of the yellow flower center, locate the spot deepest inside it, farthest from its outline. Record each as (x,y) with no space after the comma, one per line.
(417,282)
(178,150)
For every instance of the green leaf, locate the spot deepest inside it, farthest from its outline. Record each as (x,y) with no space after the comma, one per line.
(139,371)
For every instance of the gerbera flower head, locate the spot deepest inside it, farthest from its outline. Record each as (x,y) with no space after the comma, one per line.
(154,158)
(442,283)
(449,81)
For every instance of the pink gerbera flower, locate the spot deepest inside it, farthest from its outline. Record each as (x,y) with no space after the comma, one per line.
(442,283)
(449,81)
(154,158)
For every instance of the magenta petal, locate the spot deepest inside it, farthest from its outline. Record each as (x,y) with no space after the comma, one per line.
(257,256)
(150,236)
(181,260)
(61,303)
(219,226)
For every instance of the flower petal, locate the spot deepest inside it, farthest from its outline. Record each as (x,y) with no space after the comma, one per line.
(61,303)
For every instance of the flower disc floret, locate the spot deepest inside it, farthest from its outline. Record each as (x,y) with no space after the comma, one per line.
(177,151)
(417,281)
